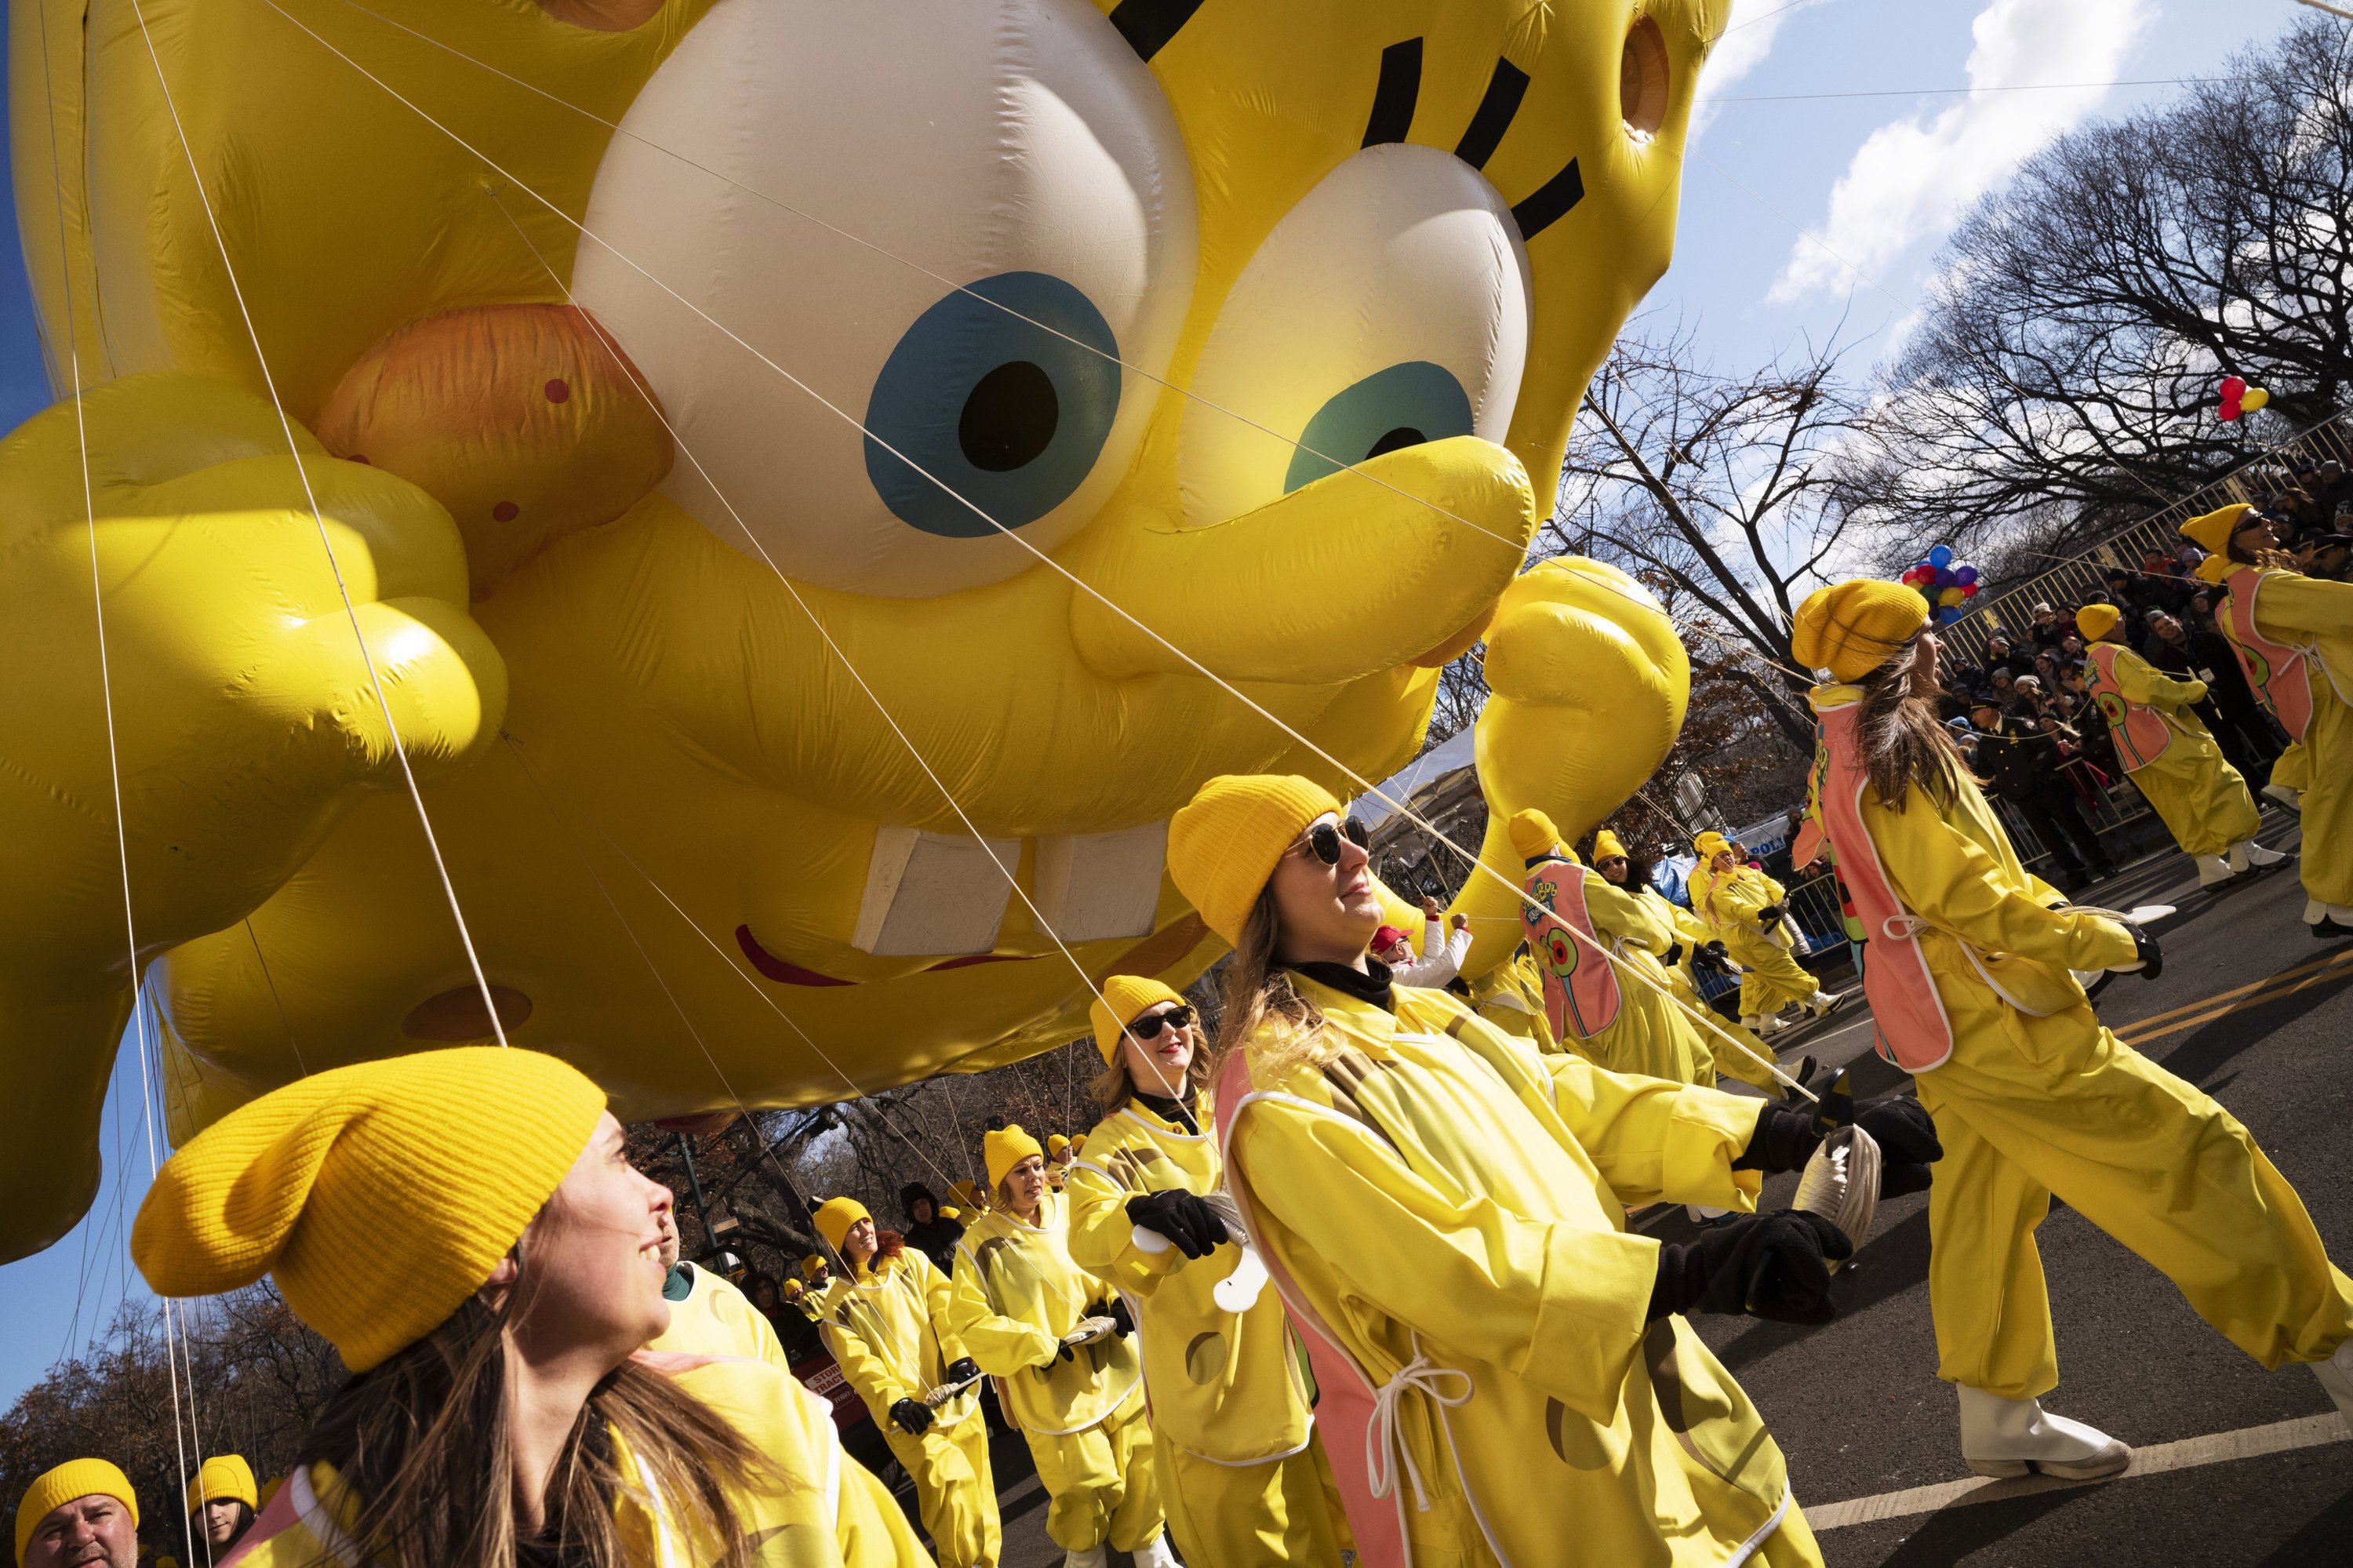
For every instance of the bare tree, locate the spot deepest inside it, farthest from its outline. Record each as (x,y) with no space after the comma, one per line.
(2062,378)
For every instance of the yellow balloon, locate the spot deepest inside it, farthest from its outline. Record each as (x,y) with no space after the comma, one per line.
(730,721)
(2252,398)
(1950,595)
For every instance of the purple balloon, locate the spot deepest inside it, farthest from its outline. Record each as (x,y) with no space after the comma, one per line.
(1965,575)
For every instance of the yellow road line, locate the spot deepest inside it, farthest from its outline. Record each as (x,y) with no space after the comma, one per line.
(2221,996)
(2311,975)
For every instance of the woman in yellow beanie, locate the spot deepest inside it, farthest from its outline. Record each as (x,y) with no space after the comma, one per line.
(1747,911)
(2294,638)
(1057,1339)
(886,1322)
(2170,756)
(465,1227)
(1968,961)
(221,1499)
(1443,1210)
(1241,1475)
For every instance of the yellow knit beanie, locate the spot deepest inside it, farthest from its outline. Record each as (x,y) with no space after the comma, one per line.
(1852,628)
(225,1478)
(1006,1150)
(1224,842)
(1710,844)
(379,1196)
(836,1215)
(812,1263)
(1123,997)
(1533,835)
(1606,847)
(1055,1144)
(2095,621)
(52,1490)
(2212,532)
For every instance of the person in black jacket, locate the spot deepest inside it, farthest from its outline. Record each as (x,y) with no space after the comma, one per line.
(928,1231)
(2230,710)
(2020,764)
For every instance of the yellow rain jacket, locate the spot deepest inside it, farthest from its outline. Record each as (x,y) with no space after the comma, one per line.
(1453,1208)
(1017,1293)
(1724,1044)
(2038,1098)
(1775,979)
(830,1512)
(888,1332)
(2317,616)
(1651,1035)
(1511,997)
(717,1320)
(1228,1404)
(2199,797)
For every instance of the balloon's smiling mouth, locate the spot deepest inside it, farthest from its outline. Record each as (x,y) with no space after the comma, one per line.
(783,971)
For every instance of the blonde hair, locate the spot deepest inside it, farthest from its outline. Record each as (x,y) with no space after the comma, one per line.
(1114,1085)
(1257,993)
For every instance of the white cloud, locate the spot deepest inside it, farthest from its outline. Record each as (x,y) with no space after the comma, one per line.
(1913,178)
(1748,38)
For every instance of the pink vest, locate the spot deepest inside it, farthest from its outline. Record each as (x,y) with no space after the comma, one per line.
(1580,984)
(2141,736)
(2275,670)
(1907,1016)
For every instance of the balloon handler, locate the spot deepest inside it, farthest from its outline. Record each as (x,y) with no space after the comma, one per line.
(1969,982)
(1748,912)
(2294,638)
(885,1320)
(1058,1340)
(1502,1369)
(2170,756)
(1243,1475)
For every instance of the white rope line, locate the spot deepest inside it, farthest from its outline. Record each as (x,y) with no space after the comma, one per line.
(286,425)
(1771,1065)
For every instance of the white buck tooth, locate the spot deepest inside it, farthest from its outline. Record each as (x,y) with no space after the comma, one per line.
(1091,886)
(934,895)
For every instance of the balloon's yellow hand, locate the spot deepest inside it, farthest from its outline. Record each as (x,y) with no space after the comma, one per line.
(245,720)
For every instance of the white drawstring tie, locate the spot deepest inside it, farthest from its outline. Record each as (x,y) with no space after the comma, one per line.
(1423,1376)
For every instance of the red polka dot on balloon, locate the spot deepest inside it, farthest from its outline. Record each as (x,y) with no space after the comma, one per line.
(558,390)
(505,511)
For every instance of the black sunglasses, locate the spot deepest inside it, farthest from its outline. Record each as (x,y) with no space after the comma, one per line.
(1324,839)
(1149,1026)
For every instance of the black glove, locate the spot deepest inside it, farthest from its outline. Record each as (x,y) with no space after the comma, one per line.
(1116,1309)
(964,1369)
(1062,1350)
(1907,1142)
(1770,916)
(912,1417)
(1768,1265)
(2150,958)
(1674,955)
(1784,1138)
(1710,958)
(1187,1221)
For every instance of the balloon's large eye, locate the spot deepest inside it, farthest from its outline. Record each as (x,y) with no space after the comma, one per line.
(992,406)
(779,247)
(1388,308)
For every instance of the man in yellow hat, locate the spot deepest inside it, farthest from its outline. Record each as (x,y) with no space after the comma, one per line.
(2171,757)
(83,1512)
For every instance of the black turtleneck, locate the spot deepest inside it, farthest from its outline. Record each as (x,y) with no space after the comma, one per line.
(1370,983)
(1179,1111)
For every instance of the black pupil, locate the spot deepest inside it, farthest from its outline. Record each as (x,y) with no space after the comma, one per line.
(1397,440)
(1010,418)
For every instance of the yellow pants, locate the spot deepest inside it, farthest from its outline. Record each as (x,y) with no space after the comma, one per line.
(2292,767)
(1244,1516)
(954,1491)
(1774,978)
(1101,1482)
(2201,799)
(2327,784)
(1723,1058)
(2028,1106)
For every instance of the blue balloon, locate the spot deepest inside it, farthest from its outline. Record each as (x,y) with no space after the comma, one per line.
(1942,556)
(1947,614)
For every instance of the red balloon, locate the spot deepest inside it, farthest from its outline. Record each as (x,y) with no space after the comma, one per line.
(2234,387)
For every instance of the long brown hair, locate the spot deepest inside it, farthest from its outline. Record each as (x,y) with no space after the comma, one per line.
(1113,1086)
(424,1441)
(1256,991)
(1903,743)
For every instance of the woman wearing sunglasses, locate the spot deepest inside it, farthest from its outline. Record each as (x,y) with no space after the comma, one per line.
(1501,1372)
(1241,1476)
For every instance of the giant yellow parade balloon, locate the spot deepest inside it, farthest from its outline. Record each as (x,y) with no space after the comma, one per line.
(792,464)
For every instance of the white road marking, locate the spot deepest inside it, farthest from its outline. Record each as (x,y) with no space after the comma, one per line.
(2217,1448)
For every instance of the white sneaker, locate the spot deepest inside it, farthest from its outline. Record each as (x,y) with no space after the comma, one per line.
(1092,1557)
(2213,871)
(2291,799)
(2336,1375)
(1822,1001)
(2248,853)
(2014,1436)
(1155,1554)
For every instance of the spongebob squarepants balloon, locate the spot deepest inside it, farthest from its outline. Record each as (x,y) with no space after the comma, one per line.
(816,487)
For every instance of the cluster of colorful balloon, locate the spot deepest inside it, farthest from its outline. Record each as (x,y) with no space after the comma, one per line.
(2238,397)
(1946,583)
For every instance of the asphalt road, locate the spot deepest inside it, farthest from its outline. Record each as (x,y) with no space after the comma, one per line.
(2254,1012)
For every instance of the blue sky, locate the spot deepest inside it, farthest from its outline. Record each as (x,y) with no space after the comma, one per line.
(1875,181)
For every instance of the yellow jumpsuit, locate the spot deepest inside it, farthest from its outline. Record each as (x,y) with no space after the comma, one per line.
(1242,1474)
(1016,1294)
(1511,997)
(1726,1057)
(888,1332)
(2319,616)
(2199,797)
(1445,1199)
(1774,978)
(830,1512)
(2038,1098)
